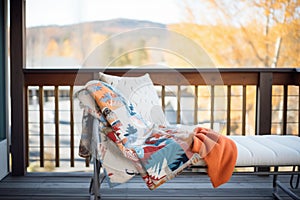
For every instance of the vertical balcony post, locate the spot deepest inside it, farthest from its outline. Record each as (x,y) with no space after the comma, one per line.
(17,59)
(264,104)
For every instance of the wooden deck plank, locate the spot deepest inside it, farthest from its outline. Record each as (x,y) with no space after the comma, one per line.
(185,186)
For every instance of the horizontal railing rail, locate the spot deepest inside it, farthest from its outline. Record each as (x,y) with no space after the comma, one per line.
(234,101)
(209,76)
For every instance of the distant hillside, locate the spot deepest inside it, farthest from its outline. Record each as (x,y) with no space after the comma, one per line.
(69,45)
(106,27)
(111,27)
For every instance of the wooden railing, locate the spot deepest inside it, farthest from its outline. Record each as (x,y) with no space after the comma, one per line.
(254,101)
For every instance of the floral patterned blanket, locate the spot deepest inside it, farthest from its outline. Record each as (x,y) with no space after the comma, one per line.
(114,133)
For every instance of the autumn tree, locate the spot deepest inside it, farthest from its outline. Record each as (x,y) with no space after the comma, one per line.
(263,33)
(246,33)
(52,48)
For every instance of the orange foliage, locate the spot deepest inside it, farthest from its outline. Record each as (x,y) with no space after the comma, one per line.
(52,48)
(66,49)
(242,35)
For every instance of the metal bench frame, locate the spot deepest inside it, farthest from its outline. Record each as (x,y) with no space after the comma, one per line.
(98,178)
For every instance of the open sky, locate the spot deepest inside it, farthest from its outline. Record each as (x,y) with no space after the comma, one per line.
(61,12)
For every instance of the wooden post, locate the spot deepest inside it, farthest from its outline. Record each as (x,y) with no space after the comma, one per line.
(228,110)
(264,104)
(264,107)
(285,108)
(17,62)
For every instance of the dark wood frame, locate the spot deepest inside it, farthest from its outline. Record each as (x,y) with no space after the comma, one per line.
(263,78)
(17,63)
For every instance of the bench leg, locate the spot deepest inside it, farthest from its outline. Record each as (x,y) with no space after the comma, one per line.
(297,178)
(278,185)
(286,190)
(95,181)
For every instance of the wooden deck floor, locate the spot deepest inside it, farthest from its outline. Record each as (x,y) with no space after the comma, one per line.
(185,186)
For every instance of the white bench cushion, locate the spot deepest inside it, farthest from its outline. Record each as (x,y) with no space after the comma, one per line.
(267,150)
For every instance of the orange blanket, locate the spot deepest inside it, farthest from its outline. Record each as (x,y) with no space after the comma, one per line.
(219,153)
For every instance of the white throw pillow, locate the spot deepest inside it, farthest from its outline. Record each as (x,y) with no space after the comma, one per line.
(141,92)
